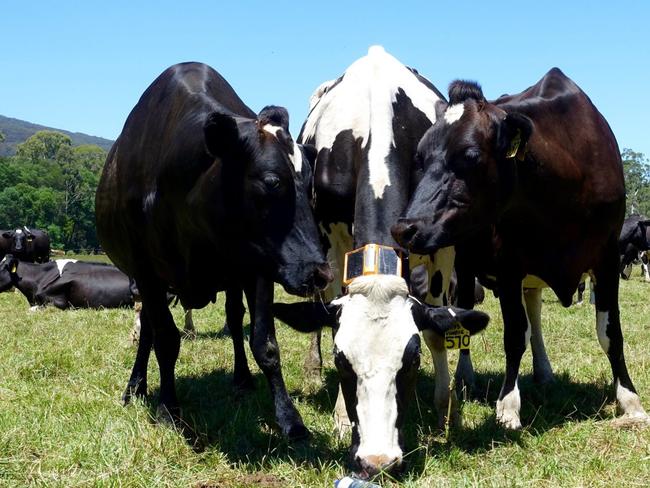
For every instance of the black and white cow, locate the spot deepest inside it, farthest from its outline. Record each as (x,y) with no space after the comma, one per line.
(200,195)
(31,245)
(67,283)
(633,242)
(538,177)
(366,125)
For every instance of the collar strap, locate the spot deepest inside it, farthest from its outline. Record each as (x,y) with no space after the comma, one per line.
(372,259)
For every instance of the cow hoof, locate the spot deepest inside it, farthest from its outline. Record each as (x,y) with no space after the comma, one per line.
(630,421)
(509,420)
(168,415)
(134,390)
(189,334)
(244,384)
(297,432)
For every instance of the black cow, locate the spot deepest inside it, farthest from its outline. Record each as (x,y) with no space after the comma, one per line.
(633,242)
(31,245)
(366,126)
(67,283)
(539,176)
(199,195)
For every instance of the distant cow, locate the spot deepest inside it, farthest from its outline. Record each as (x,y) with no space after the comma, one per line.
(539,174)
(200,195)
(633,242)
(67,283)
(31,245)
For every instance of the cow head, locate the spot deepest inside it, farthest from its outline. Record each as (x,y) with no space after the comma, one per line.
(20,239)
(470,156)
(377,354)
(8,269)
(265,177)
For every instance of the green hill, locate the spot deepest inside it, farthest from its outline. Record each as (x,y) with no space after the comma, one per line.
(17,131)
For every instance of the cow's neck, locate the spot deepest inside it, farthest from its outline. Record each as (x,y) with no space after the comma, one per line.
(30,277)
(373,216)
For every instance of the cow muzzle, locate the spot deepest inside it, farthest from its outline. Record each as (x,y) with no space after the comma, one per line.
(372,465)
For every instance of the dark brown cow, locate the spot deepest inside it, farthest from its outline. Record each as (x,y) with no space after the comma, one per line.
(541,175)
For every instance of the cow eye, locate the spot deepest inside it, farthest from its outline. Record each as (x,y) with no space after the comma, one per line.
(272,182)
(472,154)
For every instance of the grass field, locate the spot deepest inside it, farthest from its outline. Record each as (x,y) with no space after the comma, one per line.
(62,423)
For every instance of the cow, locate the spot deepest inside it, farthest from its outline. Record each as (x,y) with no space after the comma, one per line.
(632,243)
(200,195)
(539,176)
(366,125)
(31,245)
(66,283)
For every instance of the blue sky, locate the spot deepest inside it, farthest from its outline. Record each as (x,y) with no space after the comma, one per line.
(82,66)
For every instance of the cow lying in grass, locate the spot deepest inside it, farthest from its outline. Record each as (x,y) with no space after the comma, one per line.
(67,283)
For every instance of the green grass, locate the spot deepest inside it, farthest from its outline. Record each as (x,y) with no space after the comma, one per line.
(62,424)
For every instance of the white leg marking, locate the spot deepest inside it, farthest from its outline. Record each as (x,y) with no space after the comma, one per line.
(602,319)
(441,371)
(542,370)
(646,272)
(508,409)
(629,402)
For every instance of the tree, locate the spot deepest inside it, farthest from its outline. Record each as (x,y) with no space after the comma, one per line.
(45,144)
(637,182)
(2,136)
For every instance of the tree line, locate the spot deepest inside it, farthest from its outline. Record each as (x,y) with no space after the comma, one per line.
(49,184)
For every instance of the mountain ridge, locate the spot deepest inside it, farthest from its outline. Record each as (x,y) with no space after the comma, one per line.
(17,131)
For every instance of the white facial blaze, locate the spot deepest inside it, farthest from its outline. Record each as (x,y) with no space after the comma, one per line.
(363,103)
(602,319)
(454,113)
(376,325)
(296,157)
(18,231)
(60,263)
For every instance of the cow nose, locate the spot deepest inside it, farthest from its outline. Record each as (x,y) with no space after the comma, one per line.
(404,231)
(374,464)
(322,276)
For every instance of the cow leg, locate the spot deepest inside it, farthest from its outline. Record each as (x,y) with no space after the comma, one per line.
(515,337)
(137,385)
(166,344)
(542,370)
(267,355)
(242,378)
(188,328)
(313,364)
(644,266)
(465,290)
(442,395)
(608,328)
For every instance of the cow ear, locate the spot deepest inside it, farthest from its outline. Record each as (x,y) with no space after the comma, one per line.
(514,132)
(221,135)
(440,106)
(307,316)
(7,234)
(441,319)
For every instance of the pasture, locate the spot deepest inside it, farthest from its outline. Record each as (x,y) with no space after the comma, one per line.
(62,422)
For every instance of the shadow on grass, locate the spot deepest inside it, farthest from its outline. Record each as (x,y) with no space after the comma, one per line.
(242,425)
(544,407)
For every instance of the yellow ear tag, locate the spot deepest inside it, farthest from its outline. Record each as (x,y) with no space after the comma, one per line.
(14,267)
(514,145)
